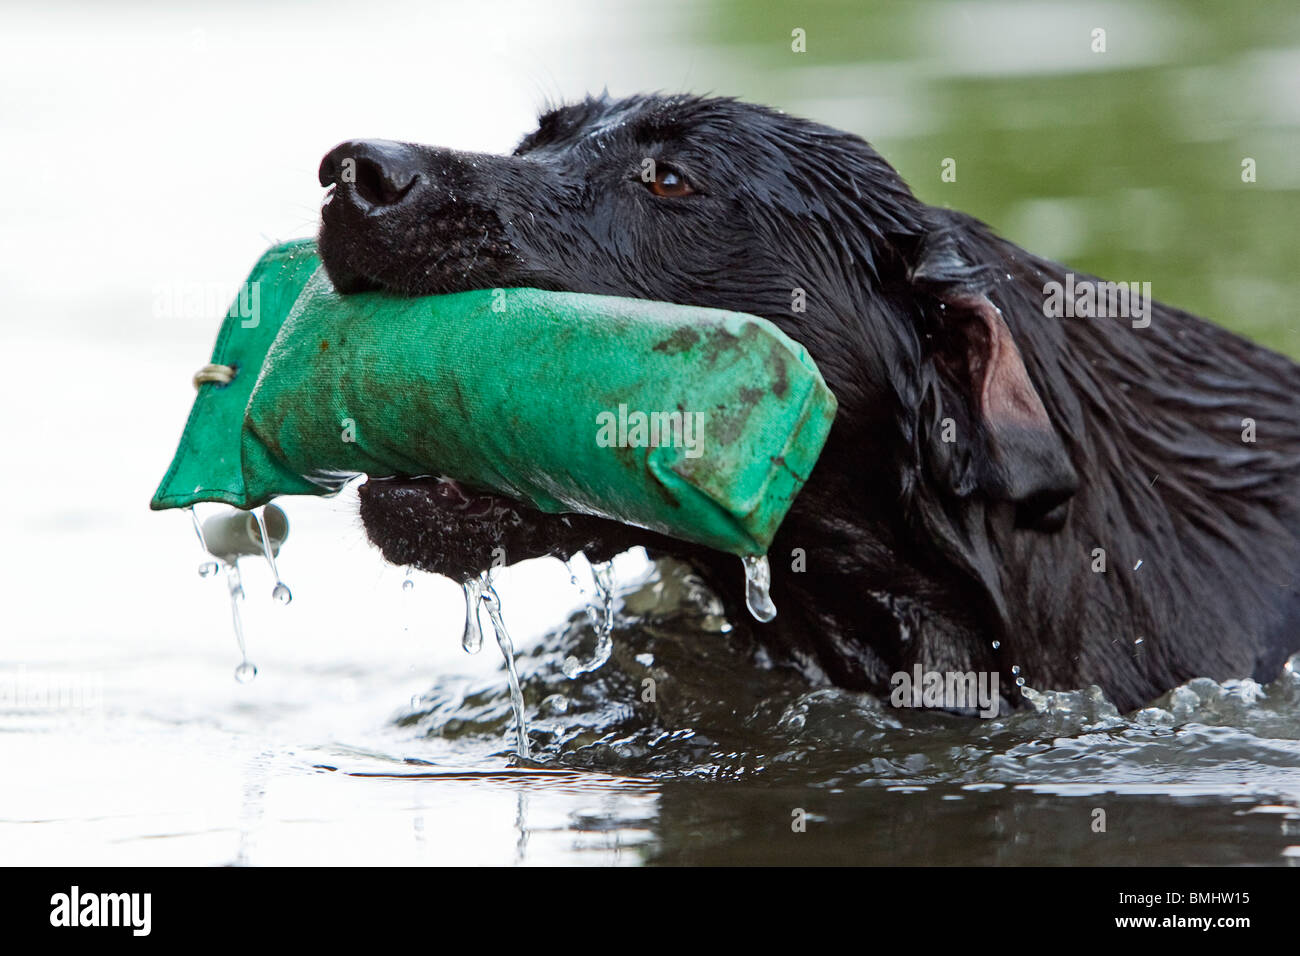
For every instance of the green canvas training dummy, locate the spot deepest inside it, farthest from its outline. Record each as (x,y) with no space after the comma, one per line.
(696,423)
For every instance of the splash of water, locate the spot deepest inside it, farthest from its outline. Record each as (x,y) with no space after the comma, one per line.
(602,622)
(472,639)
(758,581)
(493,605)
(281,590)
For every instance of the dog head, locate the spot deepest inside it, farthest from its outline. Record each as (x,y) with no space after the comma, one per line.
(912,314)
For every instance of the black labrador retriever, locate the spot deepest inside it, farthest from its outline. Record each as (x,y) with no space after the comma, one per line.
(1023,478)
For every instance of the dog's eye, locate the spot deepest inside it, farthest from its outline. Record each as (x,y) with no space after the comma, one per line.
(669,183)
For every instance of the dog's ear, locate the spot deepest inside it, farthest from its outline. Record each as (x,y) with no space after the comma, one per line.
(990,432)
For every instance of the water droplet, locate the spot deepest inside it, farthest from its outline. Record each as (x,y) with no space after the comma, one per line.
(208,568)
(408,584)
(996,645)
(758,579)
(1015,669)
(555,704)
(281,591)
(1020,682)
(493,605)
(245,672)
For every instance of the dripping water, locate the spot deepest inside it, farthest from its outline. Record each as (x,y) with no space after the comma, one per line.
(246,670)
(207,568)
(472,639)
(493,605)
(602,621)
(281,590)
(758,581)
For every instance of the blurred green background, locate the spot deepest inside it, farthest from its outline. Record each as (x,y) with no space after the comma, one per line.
(1126,163)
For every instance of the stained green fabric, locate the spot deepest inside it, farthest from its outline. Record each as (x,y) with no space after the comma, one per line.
(516,391)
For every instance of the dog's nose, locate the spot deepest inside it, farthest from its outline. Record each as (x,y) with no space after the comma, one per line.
(382,171)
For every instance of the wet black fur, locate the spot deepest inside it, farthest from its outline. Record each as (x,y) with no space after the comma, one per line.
(916,550)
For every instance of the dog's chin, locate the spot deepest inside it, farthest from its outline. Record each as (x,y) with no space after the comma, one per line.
(450,275)
(440,526)
(347,282)
(364,257)
(345,274)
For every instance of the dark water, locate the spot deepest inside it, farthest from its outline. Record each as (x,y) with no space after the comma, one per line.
(738,754)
